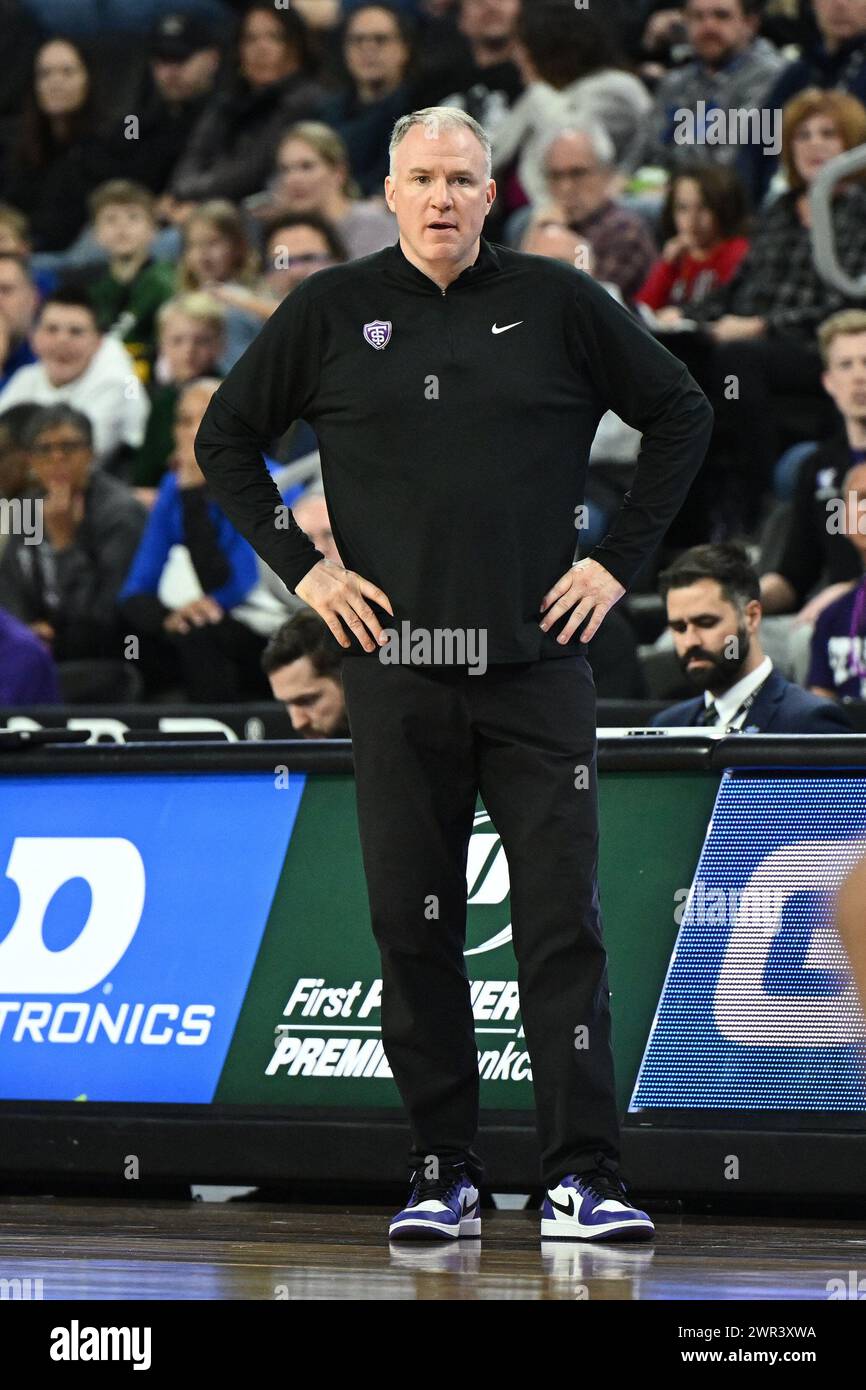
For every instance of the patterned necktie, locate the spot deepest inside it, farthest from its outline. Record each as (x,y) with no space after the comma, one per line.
(709,715)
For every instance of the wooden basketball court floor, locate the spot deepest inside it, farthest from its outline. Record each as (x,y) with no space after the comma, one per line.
(87,1249)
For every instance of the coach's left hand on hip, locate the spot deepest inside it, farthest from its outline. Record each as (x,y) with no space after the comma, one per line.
(587,588)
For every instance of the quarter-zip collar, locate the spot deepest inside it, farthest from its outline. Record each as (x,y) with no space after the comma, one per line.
(398,267)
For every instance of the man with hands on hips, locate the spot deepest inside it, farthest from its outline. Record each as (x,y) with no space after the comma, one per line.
(455,387)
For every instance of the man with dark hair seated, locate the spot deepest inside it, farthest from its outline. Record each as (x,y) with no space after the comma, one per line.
(712,594)
(303,664)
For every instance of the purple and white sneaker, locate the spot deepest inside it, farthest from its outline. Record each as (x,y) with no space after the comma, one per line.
(440,1208)
(592,1206)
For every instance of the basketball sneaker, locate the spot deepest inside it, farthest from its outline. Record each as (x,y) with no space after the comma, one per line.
(593,1206)
(439,1208)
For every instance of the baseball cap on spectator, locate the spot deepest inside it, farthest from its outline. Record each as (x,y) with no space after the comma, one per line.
(175,37)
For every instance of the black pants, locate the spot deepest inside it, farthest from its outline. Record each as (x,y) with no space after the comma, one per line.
(426,741)
(216,662)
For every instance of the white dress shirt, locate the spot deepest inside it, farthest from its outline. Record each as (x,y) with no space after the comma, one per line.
(729,704)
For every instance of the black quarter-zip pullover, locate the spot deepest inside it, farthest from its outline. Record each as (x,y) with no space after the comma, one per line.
(455,435)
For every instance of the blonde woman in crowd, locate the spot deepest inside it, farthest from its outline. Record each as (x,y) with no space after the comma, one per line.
(312,176)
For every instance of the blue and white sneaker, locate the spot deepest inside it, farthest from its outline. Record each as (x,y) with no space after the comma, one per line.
(439,1208)
(592,1206)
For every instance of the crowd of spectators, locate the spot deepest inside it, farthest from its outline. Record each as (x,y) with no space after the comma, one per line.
(170,174)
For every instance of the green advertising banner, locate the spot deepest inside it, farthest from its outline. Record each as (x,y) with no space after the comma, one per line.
(309,1029)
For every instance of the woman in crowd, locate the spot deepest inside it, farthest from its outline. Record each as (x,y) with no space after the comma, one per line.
(313,176)
(56,161)
(217,256)
(231,150)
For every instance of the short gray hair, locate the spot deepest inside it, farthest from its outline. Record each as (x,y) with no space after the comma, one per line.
(447,118)
(598,137)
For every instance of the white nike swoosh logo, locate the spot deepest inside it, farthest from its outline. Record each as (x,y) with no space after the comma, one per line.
(505,327)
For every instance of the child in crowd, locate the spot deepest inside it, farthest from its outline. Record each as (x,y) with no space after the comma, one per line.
(218,256)
(191,333)
(128,295)
(701,226)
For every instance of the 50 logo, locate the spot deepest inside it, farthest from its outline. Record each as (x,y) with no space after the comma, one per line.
(114,872)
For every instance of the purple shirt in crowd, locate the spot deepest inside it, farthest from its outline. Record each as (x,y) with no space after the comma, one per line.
(27,674)
(839,646)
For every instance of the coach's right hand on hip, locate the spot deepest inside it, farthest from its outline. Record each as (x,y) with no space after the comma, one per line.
(336,593)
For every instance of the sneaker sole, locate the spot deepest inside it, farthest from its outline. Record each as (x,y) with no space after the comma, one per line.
(433,1230)
(573,1230)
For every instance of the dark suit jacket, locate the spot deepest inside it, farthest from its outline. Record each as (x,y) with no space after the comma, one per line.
(780,708)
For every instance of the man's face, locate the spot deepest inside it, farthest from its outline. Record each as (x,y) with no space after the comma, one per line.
(577,182)
(125,229)
(374,50)
(489,20)
(61,457)
(65,341)
(314,703)
(311,514)
(840,20)
(439,193)
(711,638)
(184,79)
(18,299)
(718,30)
(293,254)
(845,376)
(191,347)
